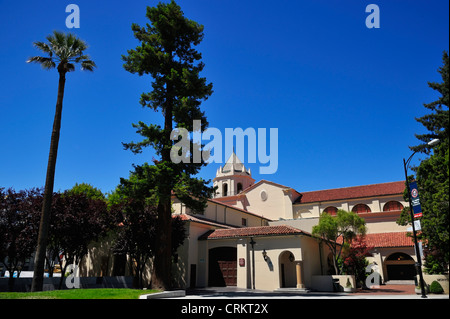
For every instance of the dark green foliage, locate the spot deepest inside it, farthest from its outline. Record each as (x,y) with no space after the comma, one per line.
(437,121)
(88,190)
(436,288)
(166,52)
(433,178)
(136,199)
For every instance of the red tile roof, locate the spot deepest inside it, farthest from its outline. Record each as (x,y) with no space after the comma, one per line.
(386,240)
(278,230)
(383,240)
(392,188)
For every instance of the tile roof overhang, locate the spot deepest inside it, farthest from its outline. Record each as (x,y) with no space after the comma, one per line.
(218,202)
(198,219)
(260,231)
(387,240)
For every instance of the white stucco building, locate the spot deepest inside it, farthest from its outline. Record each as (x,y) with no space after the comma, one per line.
(258,234)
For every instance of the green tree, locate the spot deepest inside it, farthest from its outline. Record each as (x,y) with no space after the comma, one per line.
(63,50)
(88,190)
(167,53)
(437,121)
(433,176)
(136,198)
(76,221)
(337,232)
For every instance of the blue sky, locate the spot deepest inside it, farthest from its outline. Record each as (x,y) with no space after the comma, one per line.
(343,97)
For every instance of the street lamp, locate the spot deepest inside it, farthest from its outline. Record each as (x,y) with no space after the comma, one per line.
(416,245)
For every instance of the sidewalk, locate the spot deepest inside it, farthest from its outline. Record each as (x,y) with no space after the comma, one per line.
(384,292)
(388,290)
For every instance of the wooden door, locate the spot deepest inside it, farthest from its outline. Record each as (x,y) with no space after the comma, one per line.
(229,272)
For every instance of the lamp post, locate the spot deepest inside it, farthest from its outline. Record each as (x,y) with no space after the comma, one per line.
(252,242)
(416,245)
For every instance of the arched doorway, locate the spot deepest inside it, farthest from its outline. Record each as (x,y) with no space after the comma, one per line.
(288,276)
(222,268)
(400,266)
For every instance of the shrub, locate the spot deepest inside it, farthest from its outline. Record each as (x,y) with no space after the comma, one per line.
(436,288)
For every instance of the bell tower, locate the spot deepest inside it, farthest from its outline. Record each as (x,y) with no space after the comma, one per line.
(232,178)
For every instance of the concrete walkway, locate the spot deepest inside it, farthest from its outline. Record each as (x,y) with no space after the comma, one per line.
(397,291)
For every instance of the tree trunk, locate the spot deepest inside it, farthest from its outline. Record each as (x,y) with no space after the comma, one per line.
(11,282)
(161,275)
(39,261)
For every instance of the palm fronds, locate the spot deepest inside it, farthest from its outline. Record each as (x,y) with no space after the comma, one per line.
(64,50)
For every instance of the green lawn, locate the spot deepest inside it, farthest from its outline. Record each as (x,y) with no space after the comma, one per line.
(107,293)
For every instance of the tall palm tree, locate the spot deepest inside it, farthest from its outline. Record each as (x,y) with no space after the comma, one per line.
(63,50)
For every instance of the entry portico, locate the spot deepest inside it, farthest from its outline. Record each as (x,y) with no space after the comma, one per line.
(267,257)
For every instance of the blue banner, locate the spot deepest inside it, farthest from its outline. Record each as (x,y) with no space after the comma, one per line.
(415,199)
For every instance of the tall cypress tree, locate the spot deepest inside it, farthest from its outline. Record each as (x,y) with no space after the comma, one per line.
(167,53)
(433,176)
(437,121)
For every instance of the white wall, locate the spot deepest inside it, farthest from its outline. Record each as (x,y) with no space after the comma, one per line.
(277,205)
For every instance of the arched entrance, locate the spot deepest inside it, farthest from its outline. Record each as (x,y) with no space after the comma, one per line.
(288,277)
(222,268)
(400,266)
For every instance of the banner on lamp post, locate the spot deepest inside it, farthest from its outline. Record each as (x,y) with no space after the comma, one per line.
(415,199)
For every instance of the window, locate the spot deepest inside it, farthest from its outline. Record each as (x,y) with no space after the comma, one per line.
(225,189)
(244,221)
(331,210)
(392,206)
(361,208)
(239,188)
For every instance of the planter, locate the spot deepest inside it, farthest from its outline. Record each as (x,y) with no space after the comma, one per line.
(348,289)
(441,279)
(419,291)
(348,286)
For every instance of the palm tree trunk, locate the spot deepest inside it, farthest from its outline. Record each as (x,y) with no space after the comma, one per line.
(39,261)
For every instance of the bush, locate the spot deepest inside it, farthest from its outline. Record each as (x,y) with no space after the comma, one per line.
(436,288)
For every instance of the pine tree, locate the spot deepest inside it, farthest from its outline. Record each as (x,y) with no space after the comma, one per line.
(167,53)
(433,177)
(437,121)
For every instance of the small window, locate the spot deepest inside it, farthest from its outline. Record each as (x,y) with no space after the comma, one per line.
(331,210)
(239,188)
(225,190)
(244,221)
(361,208)
(392,206)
